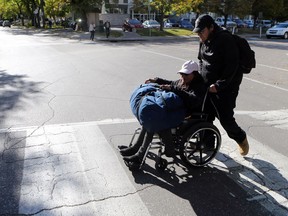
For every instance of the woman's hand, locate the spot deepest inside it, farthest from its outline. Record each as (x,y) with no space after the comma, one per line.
(165,87)
(150,81)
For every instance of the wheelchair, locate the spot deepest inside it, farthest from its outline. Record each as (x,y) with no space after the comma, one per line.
(196,142)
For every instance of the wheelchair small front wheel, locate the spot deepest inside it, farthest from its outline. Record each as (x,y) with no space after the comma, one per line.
(161,164)
(200,144)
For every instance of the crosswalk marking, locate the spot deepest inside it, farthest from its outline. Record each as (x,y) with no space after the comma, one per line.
(74,170)
(264,171)
(275,118)
(72,163)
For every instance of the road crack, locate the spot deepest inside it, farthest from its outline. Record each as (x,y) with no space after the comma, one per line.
(90,201)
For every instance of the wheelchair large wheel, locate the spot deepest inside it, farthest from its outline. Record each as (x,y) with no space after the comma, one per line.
(200,144)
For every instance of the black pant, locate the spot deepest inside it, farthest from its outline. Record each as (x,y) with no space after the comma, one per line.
(145,138)
(92,35)
(221,105)
(107,32)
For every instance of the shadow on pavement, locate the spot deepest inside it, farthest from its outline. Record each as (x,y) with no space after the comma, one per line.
(15,91)
(209,190)
(263,177)
(11,169)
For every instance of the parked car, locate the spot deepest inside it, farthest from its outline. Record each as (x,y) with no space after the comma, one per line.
(185,24)
(172,22)
(1,22)
(240,23)
(6,23)
(279,30)
(266,23)
(151,24)
(229,24)
(167,24)
(250,23)
(129,24)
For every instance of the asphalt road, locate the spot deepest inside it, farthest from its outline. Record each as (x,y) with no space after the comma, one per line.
(65,108)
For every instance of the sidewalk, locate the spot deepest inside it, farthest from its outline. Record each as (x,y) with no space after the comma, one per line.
(133,36)
(127,36)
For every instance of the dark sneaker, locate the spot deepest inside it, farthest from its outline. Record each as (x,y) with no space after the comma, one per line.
(129,151)
(120,147)
(133,158)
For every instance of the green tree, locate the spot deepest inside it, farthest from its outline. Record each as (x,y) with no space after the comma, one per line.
(225,8)
(166,7)
(82,7)
(185,6)
(57,8)
(10,9)
(270,9)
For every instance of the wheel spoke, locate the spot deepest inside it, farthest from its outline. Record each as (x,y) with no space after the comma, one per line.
(201,145)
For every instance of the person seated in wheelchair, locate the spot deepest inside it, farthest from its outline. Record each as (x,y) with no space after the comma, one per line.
(191,89)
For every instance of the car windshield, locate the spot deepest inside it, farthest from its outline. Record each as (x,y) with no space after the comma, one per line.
(153,22)
(172,21)
(134,21)
(283,25)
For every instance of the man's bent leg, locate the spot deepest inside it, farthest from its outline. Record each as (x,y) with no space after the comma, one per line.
(225,104)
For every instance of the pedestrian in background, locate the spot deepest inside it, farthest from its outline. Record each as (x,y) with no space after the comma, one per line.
(219,60)
(50,23)
(92,31)
(107,26)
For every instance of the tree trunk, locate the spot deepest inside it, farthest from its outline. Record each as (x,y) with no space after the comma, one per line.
(161,19)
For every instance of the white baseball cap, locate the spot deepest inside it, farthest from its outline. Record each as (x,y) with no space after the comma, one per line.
(188,67)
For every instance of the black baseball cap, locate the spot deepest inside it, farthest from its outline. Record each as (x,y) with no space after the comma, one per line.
(202,22)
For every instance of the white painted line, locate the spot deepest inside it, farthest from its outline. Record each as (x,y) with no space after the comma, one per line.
(165,55)
(253,80)
(269,115)
(76,172)
(267,84)
(272,67)
(275,118)
(100,122)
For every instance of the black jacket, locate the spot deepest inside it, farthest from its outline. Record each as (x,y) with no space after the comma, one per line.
(219,59)
(193,96)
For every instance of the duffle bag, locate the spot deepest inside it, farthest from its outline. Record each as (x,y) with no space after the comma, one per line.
(157,109)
